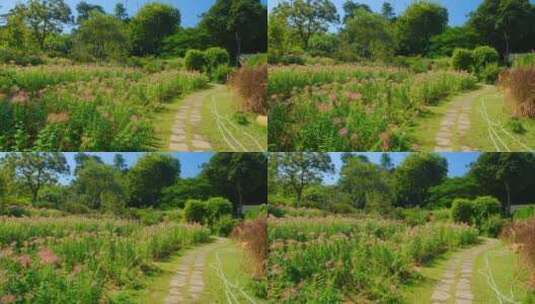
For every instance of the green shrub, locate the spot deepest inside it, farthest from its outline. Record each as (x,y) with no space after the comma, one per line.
(224,225)
(221,73)
(275,211)
(256,212)
(483,56)
(462,210)
(216,56)
(492,226)
(489,74)
(316,196)
(217,207)
(516,126)
(17,211)
(484,207)
(524,213)
(195,60)
(148,216)
(256,60)
(195,211)
(462,59)
(342,208)
(524,60)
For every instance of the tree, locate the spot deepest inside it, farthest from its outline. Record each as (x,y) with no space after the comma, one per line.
(185,39)
(44,17)
(454,37)
(120,12)
(351,7)
(184,189)
(368,35)
(97,181)
(507,176)
(386,162)
(308,17)
(416,174)
(388,11)
(149,176)
(443,194)
(300,169)
(239,177)
(38,169)
(82,158)
(151,25)
(323,45)
(17,35)
(120,163)
(101,37)
(418,24)
(507,25)
(85,10)
(240,26)
(366,184)
(278,35)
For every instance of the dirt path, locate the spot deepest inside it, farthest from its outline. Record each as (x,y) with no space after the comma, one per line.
(456,123)
(188,285)
(455,284)
(186,135)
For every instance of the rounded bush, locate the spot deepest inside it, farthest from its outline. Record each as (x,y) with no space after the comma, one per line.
(224,225)
(221,73)
(216,56)
(218,207)
(492,226)
(485,206)
(195,211)
(483,56)
(342,208)
(462,59)
(490,73)
(195,60)
(462,211)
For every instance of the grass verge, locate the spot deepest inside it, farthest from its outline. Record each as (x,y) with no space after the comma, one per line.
(228,129)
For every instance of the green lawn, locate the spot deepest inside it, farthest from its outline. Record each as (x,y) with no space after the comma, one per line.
(228,280)
(499,277)
(228,129)
(490,131)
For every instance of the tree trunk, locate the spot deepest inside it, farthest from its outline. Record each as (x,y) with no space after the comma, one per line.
(238,48)
(240,200)
(508,203)
(506,37)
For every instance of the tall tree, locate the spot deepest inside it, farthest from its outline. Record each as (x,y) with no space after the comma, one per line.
(416,174)
(102,37)
(44,17)
(151,25)
(97,181)
(388,11)
(81,158)
(119,11)
(418,24)
(37,169)
(149,176)
(119,162)
(239,177)
(386,162)
(85,9)
(308,17)
(507,176)
(350,7)
(366,184)
(300,169)
(368,35)
(240,26)
(507,25)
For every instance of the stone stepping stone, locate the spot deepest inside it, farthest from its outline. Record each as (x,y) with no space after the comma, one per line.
(179,147)
(199,144)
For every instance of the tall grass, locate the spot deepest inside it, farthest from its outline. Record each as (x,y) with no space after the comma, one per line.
(333,260)
(251,82)
(86,108)
(253,235)
(523,234)
(519,84)
(56,261)
(363,112)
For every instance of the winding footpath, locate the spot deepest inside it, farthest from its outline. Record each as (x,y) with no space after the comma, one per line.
(456,122)
(187,285)
(186,135)
(455,284)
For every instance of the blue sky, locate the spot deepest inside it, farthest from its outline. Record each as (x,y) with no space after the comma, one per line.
(190,163)
(458,162)
(190,9)
(458,9)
